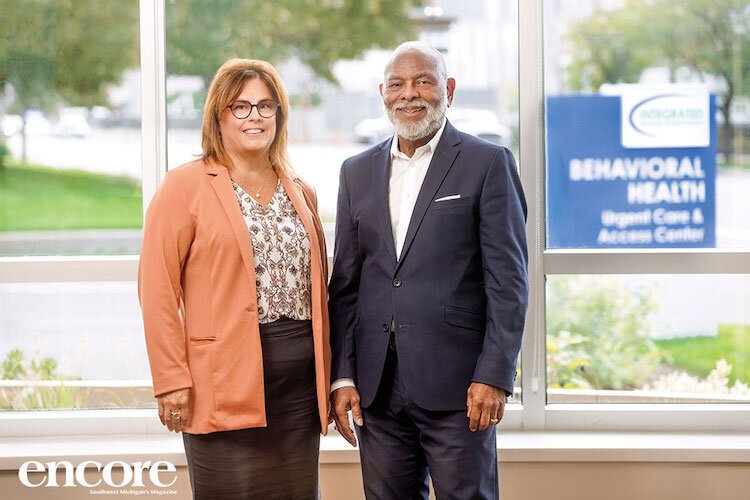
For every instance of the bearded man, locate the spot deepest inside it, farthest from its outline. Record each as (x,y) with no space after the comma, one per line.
(428,293)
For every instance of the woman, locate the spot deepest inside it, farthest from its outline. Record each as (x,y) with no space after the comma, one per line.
(232,284)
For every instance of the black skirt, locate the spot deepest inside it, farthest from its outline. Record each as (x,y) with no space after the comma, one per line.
(276,462)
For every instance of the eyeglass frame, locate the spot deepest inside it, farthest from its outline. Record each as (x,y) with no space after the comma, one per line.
(254,106)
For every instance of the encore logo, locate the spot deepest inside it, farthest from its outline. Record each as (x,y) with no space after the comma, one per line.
(161,473)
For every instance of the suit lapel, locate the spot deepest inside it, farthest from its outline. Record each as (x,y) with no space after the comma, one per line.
(381,175)
(222,185)
(445,154)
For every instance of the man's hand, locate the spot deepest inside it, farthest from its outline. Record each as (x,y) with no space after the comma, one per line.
(343,400)
(174,409)
(485,406)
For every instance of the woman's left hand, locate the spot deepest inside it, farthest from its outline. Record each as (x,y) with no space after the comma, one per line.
(174,409)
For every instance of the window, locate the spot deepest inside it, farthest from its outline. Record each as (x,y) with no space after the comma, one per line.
(648,338)
(70,207)
(511,59)
(642,271)
(70,150)
(85,351)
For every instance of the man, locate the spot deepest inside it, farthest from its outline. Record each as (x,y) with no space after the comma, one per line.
(428,293)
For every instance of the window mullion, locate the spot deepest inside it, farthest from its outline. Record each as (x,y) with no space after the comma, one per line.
(651,261)
(153,97)
(531,98)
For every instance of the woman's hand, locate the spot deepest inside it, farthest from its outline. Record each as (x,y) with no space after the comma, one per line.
(174,409)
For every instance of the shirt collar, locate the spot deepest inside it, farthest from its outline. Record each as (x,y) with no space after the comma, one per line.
(429,147)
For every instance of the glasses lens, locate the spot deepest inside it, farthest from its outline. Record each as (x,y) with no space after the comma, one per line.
(267,108)
(240,109)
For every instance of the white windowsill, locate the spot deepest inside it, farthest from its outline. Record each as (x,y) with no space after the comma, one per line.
(513,446)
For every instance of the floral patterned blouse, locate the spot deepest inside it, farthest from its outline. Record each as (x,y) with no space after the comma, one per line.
(281,250)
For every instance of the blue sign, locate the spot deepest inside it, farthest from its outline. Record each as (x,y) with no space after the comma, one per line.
(602,195)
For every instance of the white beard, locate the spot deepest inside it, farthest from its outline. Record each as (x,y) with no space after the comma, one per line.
(424,127)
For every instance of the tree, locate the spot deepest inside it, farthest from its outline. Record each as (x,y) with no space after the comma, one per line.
(202,34)
(708,38)
(54,51)
(607,48)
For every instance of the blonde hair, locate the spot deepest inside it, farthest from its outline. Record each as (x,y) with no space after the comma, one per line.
(225,87)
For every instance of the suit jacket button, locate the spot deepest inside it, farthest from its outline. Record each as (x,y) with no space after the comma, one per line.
(397,282)
(385,327)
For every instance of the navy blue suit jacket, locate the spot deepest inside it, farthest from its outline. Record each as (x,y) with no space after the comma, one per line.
(458,293)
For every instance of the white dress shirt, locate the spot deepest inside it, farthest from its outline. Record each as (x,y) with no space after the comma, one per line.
(407,175)
(405,182)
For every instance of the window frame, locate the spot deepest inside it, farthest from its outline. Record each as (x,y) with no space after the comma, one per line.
(534,413)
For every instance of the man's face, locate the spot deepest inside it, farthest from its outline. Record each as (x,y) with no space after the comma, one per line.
(414,96)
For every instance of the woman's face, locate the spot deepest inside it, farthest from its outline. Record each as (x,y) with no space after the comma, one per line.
(253,134)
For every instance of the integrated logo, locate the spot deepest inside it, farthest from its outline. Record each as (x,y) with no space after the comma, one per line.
(665,116)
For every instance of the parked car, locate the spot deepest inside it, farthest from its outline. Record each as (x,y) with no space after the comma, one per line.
(373,130)
(479,122)
(72,122)
(11,125)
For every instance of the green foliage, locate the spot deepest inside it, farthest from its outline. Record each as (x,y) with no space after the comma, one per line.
(79,200)
(699,355)
(46,369)
(4,152)
(34,397)
(598,334)
(13,365)
(52,49)
(617,45)
(202,34)
(607,48)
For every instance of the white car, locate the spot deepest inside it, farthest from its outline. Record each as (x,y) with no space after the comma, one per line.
(72,122)
(11,125)
(482,123)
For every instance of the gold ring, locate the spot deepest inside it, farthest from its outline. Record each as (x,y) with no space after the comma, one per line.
(494,420)
(176,415)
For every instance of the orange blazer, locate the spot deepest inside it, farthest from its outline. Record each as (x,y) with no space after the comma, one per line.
(196,286)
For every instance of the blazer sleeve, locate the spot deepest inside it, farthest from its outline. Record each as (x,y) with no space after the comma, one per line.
(502,234)
(344,286)
(167,236)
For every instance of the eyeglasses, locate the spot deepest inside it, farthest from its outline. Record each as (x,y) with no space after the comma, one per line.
(242,109)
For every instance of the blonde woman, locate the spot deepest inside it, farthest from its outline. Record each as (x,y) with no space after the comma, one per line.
(232,284)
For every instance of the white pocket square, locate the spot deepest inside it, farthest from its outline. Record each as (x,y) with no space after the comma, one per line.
(446,198)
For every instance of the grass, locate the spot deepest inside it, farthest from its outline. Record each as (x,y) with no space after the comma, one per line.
(698,355)
(37,198)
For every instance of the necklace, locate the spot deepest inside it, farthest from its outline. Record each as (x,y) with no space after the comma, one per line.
(256,192)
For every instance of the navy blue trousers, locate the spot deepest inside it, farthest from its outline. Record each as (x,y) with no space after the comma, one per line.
(402,446)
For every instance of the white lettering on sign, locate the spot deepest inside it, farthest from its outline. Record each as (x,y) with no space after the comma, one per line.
(631,169)
(660,216)
(666,192)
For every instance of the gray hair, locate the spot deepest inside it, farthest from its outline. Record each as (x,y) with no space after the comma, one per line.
(426,50)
